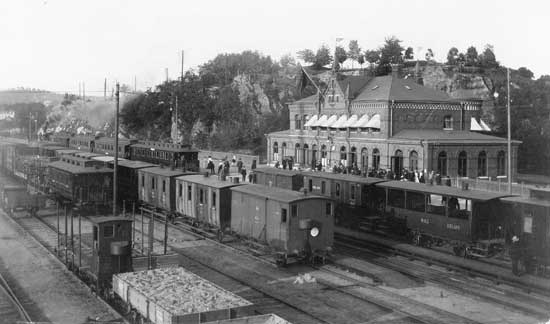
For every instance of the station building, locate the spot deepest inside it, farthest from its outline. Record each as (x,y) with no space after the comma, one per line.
(391,123)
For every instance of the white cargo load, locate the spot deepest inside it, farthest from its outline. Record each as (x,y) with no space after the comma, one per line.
(177,296)
(260,319)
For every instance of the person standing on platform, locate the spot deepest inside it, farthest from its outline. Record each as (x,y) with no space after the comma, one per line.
(284,164)
(243,173)
(210,165)
(239,165)
(515,255)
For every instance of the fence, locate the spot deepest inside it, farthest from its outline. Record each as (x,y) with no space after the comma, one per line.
(500,185)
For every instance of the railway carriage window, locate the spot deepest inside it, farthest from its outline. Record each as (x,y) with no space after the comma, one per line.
(396,198)
(283,215)
(416,201)
(214,199)
(323,187)
(109,231)
(294,210)
(436,204)
(180,190)
(201,196)
(328,209)
(310,185)
(143,181)
(460,208)
(163,185)
(189,193)
(152,183)
(352,191)
(337,190)
(96,234)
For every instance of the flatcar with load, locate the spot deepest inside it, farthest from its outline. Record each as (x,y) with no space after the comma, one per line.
(295,224)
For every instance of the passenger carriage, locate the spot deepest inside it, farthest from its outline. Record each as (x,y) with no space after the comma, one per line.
(106,145)
(167,154)
(469,220)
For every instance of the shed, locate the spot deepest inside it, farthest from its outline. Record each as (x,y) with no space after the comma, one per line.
(277,217)
(175,295)
(286,179)
(205,199)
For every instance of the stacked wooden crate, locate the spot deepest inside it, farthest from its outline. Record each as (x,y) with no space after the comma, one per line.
(177,296)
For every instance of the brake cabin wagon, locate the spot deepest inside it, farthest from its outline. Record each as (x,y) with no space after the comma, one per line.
(275,177)
(128,178)
(291,222)
(205,199)
(465,218)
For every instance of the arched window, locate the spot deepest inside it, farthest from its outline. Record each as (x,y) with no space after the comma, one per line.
(397,162)
(353,155)
(323,151)
(501,163)
(297,153)
(448,122)
(413,161)
(307,159)
(482,164)
(375,159)
(283,150)
(343,155)
(364,159)
(462,164)
(297,122)
(275,147)
(305,118)
(314,156)
(442,163)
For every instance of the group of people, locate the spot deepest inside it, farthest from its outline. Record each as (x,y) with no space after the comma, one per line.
(224,168)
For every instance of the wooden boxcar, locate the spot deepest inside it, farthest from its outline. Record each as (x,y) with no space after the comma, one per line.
(286,179)
(13,197)
(76,180)
(529,219)
(157,187)
(82,142)
(168,154)
(288,221)
(49,149)
(111,250)
(464,218)
(63,138)
(106,145)
(356,198)
(128,178)
(205,199)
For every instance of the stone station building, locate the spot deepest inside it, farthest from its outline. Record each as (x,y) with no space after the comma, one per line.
(390,123)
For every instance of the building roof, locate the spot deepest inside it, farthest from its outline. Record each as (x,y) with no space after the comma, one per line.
(388,87)
(443,190)
(356,84)
(99,220)
(132,164)
(311,99)
(166,172)
(274,193)
(277,171)
(210,181)
(67,151)
(86,155)
(343,177)
(78,169)
(451,136)
(527,201)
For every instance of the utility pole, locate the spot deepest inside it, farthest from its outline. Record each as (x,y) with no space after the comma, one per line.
(116,150)
(509,132)
(30,126)
(105,90)
(166,70)
(135,83)
(182,56)
(84,93)
(176,135)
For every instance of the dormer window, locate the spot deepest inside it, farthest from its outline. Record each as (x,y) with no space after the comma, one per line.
(448,122)
(337,98)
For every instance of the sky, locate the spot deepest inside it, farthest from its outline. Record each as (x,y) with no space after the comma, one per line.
(57,44)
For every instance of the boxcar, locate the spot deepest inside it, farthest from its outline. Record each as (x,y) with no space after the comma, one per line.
(49,149)
(63,138)
(82,142)
(157,187)
(77,179)
(529,219)
(205,199)
(128,178)
(167,154)
(290,222)
(465,218)
(13,197)
(286,179)
(60,152)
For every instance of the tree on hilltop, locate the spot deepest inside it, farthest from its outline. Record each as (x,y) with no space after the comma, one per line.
(306,55)
(409,53)
(472,58)
(452,56)
(390,53)
(354,51)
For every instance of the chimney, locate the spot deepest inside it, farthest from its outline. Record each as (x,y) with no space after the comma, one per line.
(395,70)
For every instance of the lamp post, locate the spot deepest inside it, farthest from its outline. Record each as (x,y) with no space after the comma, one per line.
(509,130)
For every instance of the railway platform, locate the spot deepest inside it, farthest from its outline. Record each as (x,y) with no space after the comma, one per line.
(499,273)
(46,289)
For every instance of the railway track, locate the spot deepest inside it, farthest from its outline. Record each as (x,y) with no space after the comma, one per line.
(11,307)
(508,295)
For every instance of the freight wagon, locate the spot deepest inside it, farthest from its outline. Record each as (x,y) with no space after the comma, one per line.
(274,177)
(157,187)
(128,178)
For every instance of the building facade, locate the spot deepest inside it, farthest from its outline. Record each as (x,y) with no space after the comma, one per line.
(390,123)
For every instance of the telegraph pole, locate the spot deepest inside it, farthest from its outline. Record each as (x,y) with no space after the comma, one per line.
(509,132)
(182,56)
(116,149)
(105,90)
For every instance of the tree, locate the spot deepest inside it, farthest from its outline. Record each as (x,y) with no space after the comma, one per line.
(361,60)
(372,56)
(340,55)
(322,57)
(472,58)
(390,53)
(429,55)
(409,53)
(452,56)
(354,51)
(287,60)
(487,59)
(306,55)
(526,73)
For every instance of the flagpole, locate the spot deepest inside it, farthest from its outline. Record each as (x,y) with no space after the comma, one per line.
(509,133)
